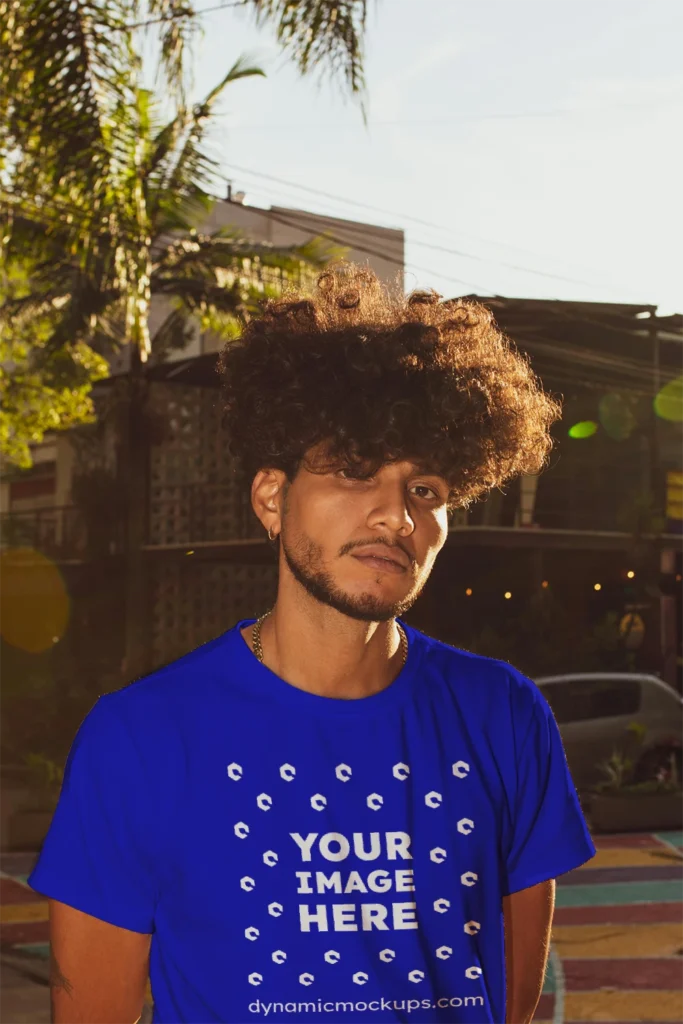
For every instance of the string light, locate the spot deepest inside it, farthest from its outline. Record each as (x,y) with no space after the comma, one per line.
(545,584)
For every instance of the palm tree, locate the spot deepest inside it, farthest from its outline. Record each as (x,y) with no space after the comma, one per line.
(102,206)
(90,271)
(67,65)
(98,290)
(99,264)
(102,203)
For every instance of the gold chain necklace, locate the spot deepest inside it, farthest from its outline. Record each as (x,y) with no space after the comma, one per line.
(258,648)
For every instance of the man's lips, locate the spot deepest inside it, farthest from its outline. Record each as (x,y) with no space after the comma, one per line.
(385,562)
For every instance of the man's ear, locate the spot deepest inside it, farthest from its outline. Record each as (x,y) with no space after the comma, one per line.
(268,492)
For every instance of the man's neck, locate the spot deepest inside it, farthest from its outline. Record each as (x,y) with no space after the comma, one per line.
(327,653)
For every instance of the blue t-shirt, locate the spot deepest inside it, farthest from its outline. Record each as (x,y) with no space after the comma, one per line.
(303,858)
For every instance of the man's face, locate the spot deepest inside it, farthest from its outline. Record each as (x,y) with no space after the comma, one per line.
(330,520)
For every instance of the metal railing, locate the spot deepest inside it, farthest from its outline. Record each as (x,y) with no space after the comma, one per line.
(58,532)
(213,513)
(195,513)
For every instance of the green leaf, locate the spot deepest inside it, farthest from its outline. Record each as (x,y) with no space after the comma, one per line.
(102,200)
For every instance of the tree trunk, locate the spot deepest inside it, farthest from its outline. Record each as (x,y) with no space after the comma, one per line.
(134,477)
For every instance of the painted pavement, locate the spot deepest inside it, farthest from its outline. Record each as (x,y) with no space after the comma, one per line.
(617,943)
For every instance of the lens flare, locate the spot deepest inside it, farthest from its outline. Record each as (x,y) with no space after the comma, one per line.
(616,417)
(668,403)
(584,429)
(34,602)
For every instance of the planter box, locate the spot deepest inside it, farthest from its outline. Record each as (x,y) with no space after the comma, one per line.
(636,812)
(25,830)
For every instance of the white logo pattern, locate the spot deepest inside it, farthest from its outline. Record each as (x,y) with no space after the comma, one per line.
(375,802)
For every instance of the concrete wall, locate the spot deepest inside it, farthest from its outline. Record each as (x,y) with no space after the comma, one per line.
(381,248)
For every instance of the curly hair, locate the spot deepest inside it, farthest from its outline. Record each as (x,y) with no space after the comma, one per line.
(380,377)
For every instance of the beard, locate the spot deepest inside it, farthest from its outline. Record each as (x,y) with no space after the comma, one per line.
(305,561)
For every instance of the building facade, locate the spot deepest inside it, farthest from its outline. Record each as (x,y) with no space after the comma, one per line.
(596,535)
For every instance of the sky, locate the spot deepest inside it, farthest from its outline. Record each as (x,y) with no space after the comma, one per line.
(539,140)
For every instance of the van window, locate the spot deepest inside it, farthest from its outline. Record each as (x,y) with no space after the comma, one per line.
(579,700)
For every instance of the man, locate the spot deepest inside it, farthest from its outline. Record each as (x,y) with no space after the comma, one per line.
(324,814)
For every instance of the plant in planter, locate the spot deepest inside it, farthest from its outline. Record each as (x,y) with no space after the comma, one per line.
(30,820)
(626,801)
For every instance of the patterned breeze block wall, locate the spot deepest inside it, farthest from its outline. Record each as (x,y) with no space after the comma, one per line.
(196,495)
(196,601)
(195,492)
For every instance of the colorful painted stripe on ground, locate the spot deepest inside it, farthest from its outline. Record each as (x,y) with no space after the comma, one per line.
(617,944)
(618,935)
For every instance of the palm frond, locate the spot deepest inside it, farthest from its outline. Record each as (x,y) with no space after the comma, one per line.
(223,278)
(326,35)
(225,249)
(174,333)
(101,201)
(66,67)
(192,167)
(240,69)
(177,28)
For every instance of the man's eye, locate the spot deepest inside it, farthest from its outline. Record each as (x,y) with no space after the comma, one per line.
(430,490)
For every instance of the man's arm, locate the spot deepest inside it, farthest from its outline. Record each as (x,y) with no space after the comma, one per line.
(98,971)
(528,918)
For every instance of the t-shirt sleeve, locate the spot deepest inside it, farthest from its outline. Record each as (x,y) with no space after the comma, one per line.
(94,856)
(550,835)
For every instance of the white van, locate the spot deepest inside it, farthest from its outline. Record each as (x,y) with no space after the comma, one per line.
(594,710)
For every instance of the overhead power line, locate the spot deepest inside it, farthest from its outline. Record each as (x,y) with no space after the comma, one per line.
(373,229)
(416,220)
(550,347)
(628,366)
(370,251)
(312,222)
(184,14)
(452,119)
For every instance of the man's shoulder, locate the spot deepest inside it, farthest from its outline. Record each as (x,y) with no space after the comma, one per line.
(176,685)
(453,660)
(478,677)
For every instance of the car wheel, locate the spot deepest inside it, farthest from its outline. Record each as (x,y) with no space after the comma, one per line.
(654,761)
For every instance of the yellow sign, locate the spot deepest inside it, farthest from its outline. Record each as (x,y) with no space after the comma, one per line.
(632,630)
